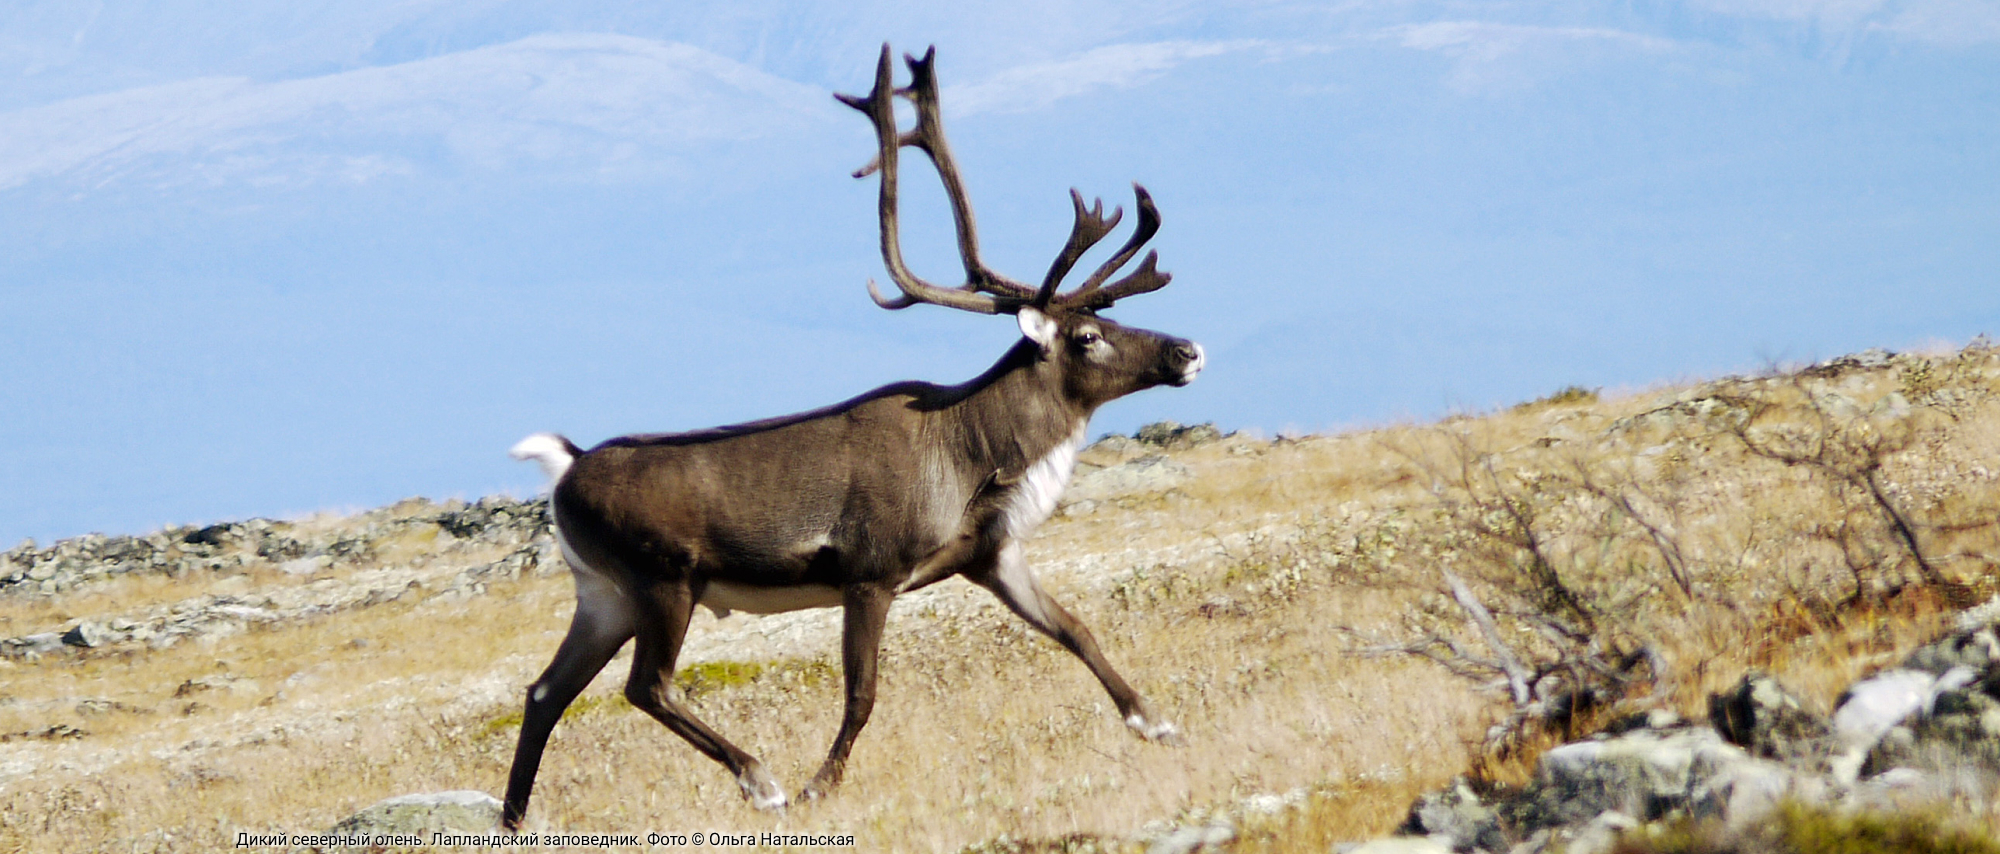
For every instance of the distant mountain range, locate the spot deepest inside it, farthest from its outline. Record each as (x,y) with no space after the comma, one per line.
(599,103)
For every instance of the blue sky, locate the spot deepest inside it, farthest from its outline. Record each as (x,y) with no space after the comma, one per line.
(269,259)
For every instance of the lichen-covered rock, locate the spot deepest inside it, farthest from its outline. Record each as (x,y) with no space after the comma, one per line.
(1583,794)
(1939,714)
(522,524)
(461,811)
(1456,816)
(497,519)
(1596,836)
(1975,647)
(1912,737)
(1869,726)
(1760,716)
(1646,773)
(40,643)
(1174,437)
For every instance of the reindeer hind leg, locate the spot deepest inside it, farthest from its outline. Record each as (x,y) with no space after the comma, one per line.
(603,621)
(664,611)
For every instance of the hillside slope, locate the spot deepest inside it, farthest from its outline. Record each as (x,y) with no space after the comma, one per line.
(1297,606)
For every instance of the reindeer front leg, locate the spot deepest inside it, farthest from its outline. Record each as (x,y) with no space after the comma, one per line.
(1010,578)
(866,614)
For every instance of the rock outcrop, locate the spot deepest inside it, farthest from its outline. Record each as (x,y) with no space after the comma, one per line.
(412,548)
(1924,733)
(293,547)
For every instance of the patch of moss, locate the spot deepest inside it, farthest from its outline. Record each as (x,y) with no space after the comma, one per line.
(698,680)
(510,723)
(805,672)
(1818,831)
(1802,829)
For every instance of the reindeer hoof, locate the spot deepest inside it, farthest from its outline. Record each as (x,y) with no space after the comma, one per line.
(1156,731)
(761,791)
(821,786)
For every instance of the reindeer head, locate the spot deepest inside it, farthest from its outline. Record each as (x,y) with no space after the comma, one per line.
(1096,359)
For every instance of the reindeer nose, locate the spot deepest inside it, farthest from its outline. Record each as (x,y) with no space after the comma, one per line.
(1192,358)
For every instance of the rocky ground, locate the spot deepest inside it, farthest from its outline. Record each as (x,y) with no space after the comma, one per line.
(1910,738)
(441,544)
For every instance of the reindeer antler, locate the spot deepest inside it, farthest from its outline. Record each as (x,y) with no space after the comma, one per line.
(1146,279)
(985,291)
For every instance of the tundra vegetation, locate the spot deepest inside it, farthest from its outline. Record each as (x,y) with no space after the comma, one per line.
(1340,624)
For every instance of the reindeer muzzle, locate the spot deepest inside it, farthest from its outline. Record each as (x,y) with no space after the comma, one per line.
(1187,358)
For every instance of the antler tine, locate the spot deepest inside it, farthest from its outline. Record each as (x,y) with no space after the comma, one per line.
(1091,226)
(929,136)
(880,108)
(890,303)
(1143,280)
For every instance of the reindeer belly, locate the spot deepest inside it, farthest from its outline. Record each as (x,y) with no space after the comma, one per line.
(771,581)
(725,596)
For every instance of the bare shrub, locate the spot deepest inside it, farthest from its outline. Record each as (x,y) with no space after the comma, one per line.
(1542,566)
(1846,449)
(1572,571)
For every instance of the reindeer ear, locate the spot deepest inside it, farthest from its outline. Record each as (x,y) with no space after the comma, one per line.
(1040,328)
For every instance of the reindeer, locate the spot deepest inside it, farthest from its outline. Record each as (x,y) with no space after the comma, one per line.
(855,503)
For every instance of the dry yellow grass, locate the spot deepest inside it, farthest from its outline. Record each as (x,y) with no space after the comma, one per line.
(1234,602)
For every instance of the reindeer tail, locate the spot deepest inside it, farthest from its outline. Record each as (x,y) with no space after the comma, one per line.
(551,450)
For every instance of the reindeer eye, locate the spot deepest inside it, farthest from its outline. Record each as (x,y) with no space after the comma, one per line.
(1085,339)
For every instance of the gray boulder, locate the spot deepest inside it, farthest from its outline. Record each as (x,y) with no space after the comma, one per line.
(1457,817)
(1761,717)
(461,811)
(1648,773)
(86,634)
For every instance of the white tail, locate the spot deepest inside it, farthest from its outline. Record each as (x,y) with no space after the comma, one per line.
(553,452)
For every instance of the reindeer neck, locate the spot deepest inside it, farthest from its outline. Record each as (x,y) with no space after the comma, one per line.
(1015,414)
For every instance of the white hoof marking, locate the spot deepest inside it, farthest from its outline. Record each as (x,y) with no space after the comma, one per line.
(762,792)
(1152,731)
